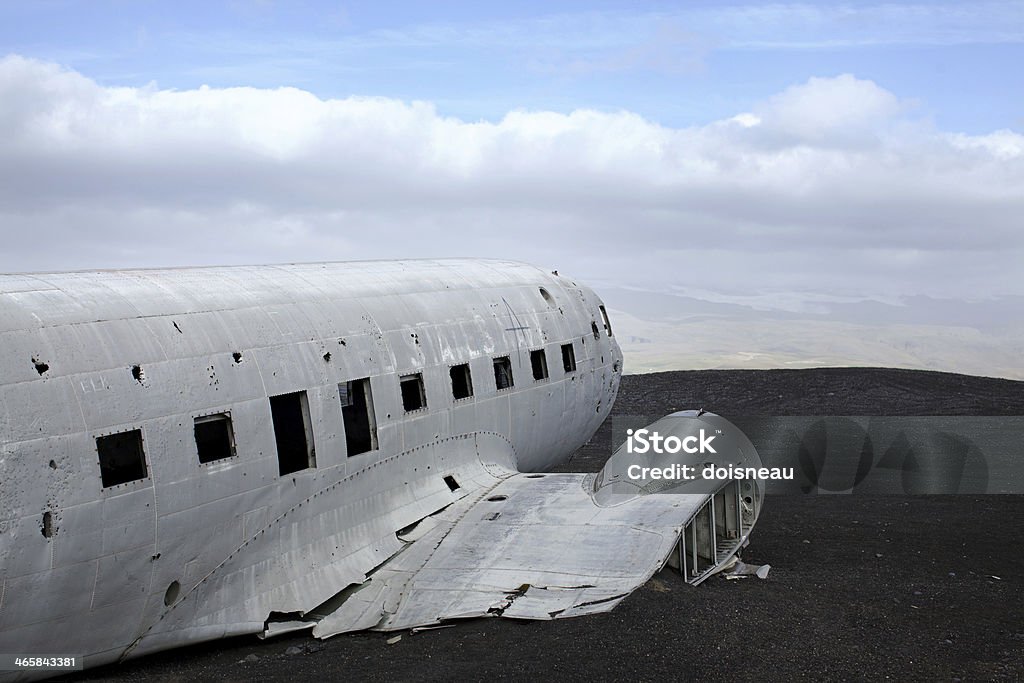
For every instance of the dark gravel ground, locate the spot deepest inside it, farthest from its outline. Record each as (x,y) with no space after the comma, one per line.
(861,587)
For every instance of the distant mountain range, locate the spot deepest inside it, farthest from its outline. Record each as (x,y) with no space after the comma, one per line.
(663,331)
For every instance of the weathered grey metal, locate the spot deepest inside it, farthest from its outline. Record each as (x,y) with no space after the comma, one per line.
(228,543)
(442,516)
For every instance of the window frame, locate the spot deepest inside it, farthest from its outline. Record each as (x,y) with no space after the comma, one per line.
(206,418)
(370,414)
(416,377)
(302,397)
(141,451)
(542,354)
(569,359)
(503,362)
(468,377)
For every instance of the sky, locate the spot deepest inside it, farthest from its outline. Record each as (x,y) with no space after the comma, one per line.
(782,154)
(676,63)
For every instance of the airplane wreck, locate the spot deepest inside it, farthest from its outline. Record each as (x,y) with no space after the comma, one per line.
(189,454)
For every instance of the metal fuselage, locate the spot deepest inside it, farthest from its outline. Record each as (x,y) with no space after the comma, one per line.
(101,367)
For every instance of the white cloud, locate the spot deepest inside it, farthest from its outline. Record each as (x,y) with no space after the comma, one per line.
(824,110)
(830,187)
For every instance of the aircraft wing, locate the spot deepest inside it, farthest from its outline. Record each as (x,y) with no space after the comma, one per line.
(532,547)
(549,546)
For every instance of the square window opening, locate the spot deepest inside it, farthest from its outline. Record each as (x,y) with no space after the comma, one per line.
(452,484)
(358,415)
(122,458)
(414,396)
(462,381)
(568,357)
(503,373)
(293,432)
(539,362)
(215,439)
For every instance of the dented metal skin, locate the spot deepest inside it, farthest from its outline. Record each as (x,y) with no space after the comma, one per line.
(447,515)
(198,551)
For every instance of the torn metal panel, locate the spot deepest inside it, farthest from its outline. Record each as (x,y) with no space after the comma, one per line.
(550,533)
(737,569)
(279,628)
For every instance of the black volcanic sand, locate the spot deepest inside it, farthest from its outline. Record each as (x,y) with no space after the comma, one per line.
(861,588)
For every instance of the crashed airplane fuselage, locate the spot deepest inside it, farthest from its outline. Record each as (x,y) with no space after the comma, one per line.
(189,454)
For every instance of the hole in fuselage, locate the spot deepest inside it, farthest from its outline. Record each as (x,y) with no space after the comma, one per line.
(358,415)
(414,396)
(215,437)
(122,457)
(462,381)
(452,484)
(293,432)
(497,499)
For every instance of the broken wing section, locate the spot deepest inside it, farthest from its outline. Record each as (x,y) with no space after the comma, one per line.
(546,546)
(534,546)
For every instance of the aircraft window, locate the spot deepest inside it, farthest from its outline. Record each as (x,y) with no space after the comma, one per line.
(539,361)
(122,458)
(452,484)
(293,432)
(607,323)
(358,415)
(503,373)
(215,440)
(413,395)
(568,357)
(462,381)
(593,327)
(547,297)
